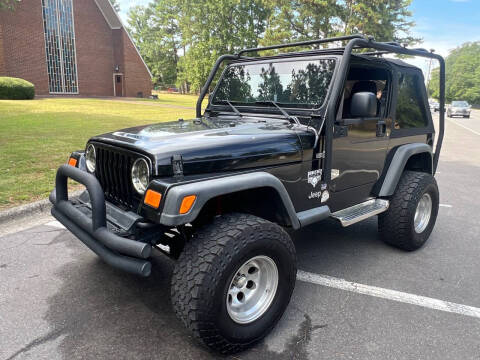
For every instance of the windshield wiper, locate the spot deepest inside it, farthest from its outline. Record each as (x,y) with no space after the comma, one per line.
(284,113)
(235,110)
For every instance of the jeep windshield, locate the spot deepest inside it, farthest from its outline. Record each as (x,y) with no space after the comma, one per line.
(291,84)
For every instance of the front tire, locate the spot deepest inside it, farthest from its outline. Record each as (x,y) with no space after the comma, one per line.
(233,281)
(410,219)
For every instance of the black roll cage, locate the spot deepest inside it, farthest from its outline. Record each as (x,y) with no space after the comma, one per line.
(354,42)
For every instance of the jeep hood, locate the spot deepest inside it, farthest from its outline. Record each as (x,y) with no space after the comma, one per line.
(213,144)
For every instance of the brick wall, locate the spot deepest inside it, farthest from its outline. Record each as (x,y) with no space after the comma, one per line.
(24,44)
(94,45)
(3,70)
(137,78)
(99,49)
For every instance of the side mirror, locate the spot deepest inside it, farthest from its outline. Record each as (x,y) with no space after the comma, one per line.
(364,104)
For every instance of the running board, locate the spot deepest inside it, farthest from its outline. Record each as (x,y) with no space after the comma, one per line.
(361,211)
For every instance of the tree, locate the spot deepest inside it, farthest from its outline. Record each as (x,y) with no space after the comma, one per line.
(310,85)
(157,34)
(235,85)
(297,20)
(462,75)
(214,27)
(181,39)
(7,4)
(115,5)
(271,87)
(385,20)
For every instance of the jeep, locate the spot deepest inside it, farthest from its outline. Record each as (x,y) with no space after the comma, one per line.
(286,140)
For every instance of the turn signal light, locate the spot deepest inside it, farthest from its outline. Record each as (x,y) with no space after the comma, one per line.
(72,162)
(152,198)
(187,203)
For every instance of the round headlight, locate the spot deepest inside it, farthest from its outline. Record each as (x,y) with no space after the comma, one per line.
(90,158)
(140,175)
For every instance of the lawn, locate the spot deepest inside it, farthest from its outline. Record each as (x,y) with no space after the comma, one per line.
(36,136)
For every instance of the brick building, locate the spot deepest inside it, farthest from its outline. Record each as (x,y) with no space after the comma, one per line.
(71,47)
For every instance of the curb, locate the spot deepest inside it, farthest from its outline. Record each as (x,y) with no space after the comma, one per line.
(35,208)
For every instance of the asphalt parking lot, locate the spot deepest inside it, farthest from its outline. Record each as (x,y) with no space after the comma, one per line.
(356,298)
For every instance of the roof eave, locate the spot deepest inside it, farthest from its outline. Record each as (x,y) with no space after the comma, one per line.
(115,23)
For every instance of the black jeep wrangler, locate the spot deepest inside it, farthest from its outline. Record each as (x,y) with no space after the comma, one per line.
(285,141)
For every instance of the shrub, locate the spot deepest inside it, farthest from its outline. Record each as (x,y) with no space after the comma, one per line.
(16,89)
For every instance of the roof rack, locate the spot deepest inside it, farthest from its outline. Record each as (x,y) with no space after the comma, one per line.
(303,43)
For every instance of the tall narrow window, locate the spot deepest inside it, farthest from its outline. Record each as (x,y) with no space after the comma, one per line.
(60,46)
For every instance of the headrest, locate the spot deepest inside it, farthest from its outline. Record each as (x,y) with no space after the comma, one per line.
(364,86)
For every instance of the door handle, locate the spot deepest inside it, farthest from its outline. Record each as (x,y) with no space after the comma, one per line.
(381,128)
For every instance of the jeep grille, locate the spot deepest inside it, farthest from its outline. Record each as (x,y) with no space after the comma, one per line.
(113,167)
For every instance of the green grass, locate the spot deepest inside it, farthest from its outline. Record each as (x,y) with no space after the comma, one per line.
(177,99)
(37,136)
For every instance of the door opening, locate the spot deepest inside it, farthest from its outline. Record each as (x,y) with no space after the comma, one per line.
(118,84)
(360,147)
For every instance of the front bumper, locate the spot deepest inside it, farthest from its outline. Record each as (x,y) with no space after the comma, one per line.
(117,251)
(459,112)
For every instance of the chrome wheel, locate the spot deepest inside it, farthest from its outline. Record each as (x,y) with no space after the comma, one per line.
(423,213)
(252,289)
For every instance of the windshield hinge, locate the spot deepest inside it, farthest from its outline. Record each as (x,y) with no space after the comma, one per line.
(177,165)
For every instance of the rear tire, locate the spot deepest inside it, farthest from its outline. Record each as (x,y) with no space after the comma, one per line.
(410,219)
(216,263)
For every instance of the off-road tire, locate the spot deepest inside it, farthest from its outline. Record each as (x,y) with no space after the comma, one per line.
(206,267)
(396,225)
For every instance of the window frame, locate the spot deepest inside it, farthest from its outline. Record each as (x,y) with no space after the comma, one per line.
(428,128)
(389,86)
(290,110)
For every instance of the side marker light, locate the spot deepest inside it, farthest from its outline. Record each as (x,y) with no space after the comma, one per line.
(187,203)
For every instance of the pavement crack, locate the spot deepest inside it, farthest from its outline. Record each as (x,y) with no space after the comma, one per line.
(38,341)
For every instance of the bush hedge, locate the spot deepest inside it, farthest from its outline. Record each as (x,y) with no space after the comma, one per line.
(16,89)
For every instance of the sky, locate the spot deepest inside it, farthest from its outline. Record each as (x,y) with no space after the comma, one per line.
(442,24)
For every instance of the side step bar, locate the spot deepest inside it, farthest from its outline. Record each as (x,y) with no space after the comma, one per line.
(362,211)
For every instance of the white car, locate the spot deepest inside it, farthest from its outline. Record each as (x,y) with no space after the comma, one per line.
(459,108)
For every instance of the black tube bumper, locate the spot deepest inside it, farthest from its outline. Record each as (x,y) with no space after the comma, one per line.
(122,253)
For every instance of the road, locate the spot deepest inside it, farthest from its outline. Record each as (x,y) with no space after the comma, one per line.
(59,301)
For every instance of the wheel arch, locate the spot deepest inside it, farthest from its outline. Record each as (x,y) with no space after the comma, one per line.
(264,202)
(258,193)
(414,156)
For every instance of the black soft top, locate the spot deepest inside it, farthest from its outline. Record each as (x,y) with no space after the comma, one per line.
(396,63)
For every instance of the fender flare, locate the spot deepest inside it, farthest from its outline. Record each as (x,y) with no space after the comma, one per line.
(208,189)
(397,165)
